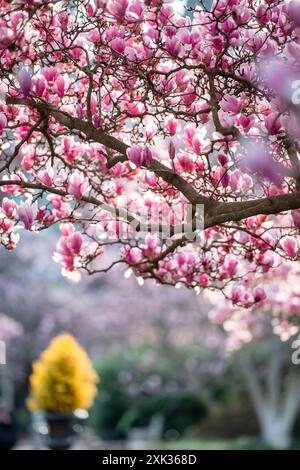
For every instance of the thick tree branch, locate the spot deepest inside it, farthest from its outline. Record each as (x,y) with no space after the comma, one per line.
(216,213)
(119,213)
(98,135)
(236,211)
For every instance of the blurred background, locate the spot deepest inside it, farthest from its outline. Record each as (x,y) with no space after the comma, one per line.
(167,379)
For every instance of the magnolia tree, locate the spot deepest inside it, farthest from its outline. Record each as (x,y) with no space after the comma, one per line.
(174,137)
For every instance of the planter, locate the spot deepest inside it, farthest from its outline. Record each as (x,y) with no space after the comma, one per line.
(60,430)
(57,431)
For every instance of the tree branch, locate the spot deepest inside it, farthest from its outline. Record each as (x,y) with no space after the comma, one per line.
(236,211)
(98,135)
(216,213)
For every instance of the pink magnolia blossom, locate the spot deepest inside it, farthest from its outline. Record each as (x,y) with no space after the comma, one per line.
(147,156)
(67,229)
(134,154)
(186,163)
(24,78)
(117,8)
(60,86)
(76,241)
(152,244)
(136,11)
(171,126)
(172,150)
(197,144)
(245,121)
(150,131)
(165,14)
(259,294)
(229,267)
(6,37)
(118,45)
(3,122)
(273,123)
(267,260)
(173,46)
(262,14)
(26,214)
(50,74)
(12,189)
(189,97)
(97,121)
(203,280)
(237,294)
(139,155)
(78,185)
(232,104)
(223,159)
(228,25)
(69,246)
(132,255)
(242,14)
(46,176)
(9,207)
(28,160)
(40,86)
(290,246)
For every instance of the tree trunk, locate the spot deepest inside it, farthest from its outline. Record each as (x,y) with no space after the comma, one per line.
(277,400)
(275,431)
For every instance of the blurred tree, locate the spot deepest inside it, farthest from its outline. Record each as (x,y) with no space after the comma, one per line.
(181,385)
(263,341)
(273,384)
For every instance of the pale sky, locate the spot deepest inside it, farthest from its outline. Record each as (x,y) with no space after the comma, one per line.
(179,5)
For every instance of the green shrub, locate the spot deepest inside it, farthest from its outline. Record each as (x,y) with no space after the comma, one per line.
(140,384)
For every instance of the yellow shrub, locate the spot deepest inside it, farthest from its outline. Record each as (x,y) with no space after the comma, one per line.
(63,379)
